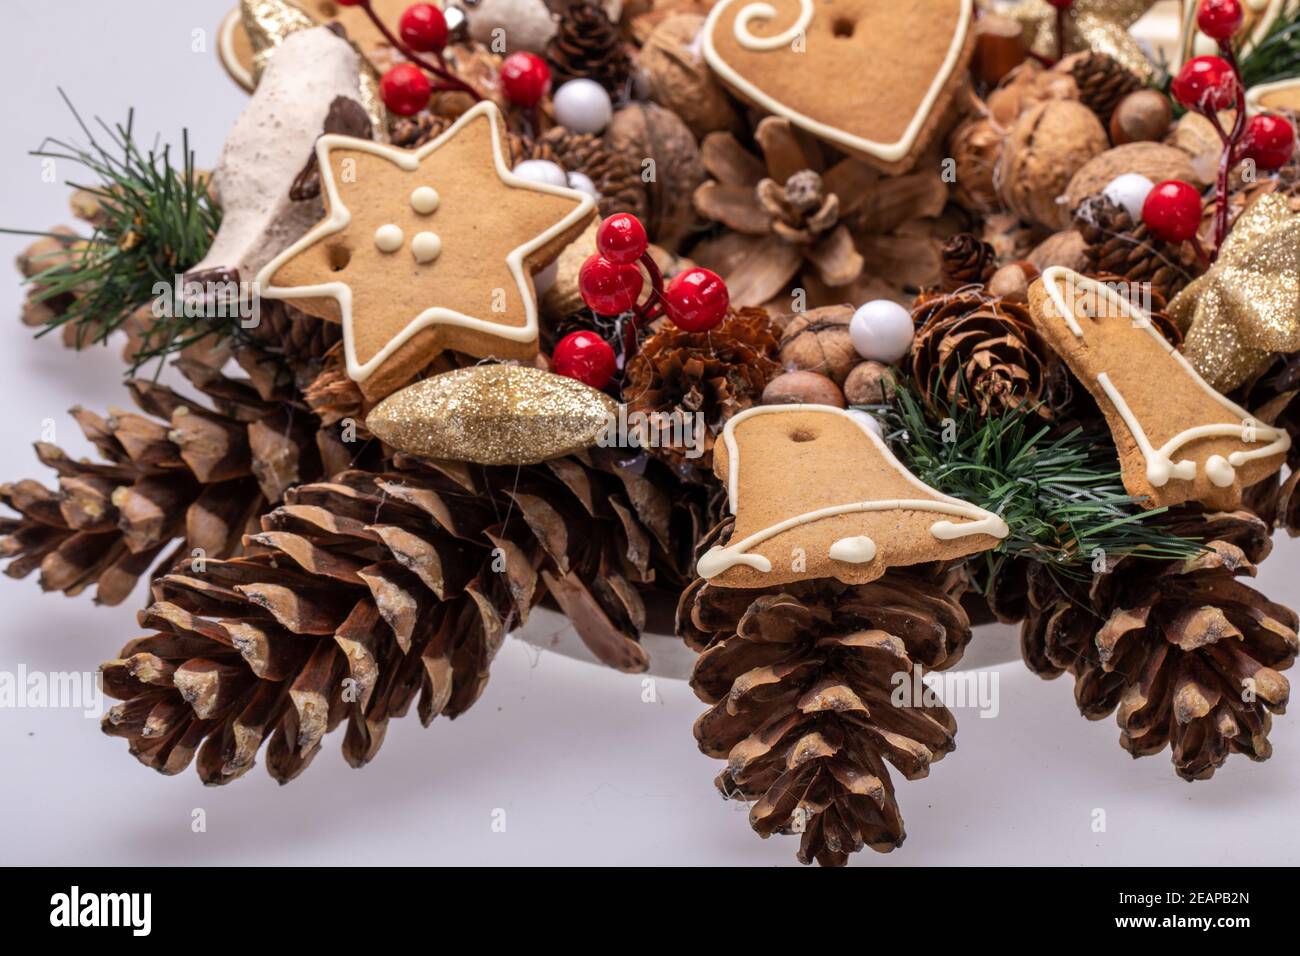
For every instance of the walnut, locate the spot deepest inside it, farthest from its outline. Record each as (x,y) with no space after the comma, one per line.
(680,79)
(802,388)
(975,146)
(662,146)
(1153,160)
(1047,146)
(818,341)
(1064,248)
(870,383)
(1025,87)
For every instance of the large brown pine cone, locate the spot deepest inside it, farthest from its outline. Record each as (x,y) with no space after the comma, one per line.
(1118,246)
(974,347)
(800,679)
(371,590)
(1275,398)
(712,374)
(178,479)
(588,45)
(1103,81)
(1187,653)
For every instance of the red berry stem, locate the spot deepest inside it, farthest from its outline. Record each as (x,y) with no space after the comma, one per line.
(647,311)
(1201,255)
(451,81)
(1060,33)
(1230,143)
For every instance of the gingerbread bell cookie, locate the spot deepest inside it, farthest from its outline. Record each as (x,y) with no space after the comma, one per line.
(427,250)
(816,494)
(1178,439)
(813,62)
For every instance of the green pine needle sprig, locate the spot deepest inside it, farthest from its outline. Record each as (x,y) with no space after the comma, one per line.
(1277,55)
(155,220)
(1061,495)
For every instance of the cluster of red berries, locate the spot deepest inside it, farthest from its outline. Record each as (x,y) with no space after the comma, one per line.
(610,282)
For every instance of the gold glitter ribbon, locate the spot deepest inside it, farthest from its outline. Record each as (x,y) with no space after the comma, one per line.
(1101,25)
(1247,306)
(493,415)
(268,22)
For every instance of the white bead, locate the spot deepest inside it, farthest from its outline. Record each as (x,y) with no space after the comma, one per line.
(425,200)
(1130,191)
(869,421)
(425,247)
(541,171)
(544,280)
(583,184)
(388,238)
(881,330)
(582,106)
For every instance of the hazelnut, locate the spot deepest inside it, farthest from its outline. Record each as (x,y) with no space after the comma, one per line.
(802,388)
(870,383)
(1011,282)
(1141,117)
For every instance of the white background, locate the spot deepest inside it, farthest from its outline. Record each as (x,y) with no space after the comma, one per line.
(585,771)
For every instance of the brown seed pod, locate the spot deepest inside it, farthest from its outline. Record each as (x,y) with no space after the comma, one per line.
(802,388)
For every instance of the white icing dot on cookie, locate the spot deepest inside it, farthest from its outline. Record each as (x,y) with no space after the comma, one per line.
(424,200)
(426,246)
(388,238)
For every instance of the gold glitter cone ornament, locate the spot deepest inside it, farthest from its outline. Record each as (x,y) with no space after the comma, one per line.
(1247,306)
(493,415)
(268,22)
(1100,25)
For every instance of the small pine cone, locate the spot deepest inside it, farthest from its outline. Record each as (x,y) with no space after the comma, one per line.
(616,176)
(971,346)
(967,260)
(413,132)
(1116,245)
(1103,81)
(712,374)
(1174,645)
(588,45)
(802,685)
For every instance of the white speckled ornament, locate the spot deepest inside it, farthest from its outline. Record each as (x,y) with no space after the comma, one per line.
(582,182)
(1130,191)
(542,171)
(582,106)
(881,331)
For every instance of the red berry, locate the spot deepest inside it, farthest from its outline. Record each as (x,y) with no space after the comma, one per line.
(609,288)
(405,89)
(621,238)
(423,28)
(1172,211)
(525,78)
(1220,19)
(1206,83)
(1269,140)
(1061,4)
(586,357)
(696,300)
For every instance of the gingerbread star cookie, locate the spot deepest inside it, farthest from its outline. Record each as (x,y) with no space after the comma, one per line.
(872,77)
(427,250)
(817,494)
(1178,439)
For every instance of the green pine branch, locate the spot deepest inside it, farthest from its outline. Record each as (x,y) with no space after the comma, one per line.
(154,221)
(1277,55)
(1061,495)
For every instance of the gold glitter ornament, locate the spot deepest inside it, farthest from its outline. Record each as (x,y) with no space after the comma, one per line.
(493,415)
(1247,306)
(268,22)
(1099,25)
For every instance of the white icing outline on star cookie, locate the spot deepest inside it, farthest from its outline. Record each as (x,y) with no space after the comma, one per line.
(339,217)
(857,549)
(887,152)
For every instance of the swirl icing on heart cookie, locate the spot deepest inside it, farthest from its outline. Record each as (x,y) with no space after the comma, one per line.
(869,76)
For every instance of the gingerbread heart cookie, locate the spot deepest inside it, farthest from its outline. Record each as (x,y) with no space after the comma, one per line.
(872,77)
(1178,439)
(427,250)
(817,494)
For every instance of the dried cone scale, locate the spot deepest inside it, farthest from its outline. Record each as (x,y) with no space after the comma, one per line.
(1188,654)
(799,680)
(375,591)
(179,479)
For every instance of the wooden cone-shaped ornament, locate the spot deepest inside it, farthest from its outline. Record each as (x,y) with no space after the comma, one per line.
(817,494)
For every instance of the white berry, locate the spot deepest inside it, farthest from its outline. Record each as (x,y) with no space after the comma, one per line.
(1130,191)
(869,422)
(582,106)
(541,171)
(583,184)
(881,331)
